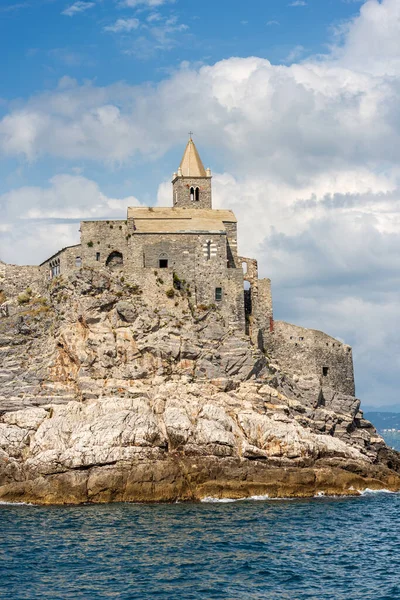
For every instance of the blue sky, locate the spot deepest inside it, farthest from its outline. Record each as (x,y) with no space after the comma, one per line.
(294,105)
(44,39)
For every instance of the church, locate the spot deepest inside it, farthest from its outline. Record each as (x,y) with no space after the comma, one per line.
(190,240)
(191,244)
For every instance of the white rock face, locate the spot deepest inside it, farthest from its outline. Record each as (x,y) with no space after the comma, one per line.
(163,419)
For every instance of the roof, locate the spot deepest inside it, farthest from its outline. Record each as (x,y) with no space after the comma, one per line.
(191,164)
(180,220)
(57,253)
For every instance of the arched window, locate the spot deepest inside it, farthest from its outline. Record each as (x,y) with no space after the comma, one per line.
(197,194)
(192,194)
(115,260)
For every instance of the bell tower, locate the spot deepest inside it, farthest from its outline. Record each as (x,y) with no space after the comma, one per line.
(192,183)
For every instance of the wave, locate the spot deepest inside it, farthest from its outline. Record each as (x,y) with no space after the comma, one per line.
(212,500)
(368,491)
(15,503)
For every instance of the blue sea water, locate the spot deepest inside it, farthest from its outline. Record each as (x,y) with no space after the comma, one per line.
(319,549)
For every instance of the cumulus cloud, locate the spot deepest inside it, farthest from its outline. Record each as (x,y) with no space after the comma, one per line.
(39,220)
(77,7)
(311,152)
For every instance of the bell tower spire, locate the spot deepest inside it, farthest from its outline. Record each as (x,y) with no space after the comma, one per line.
(192,183)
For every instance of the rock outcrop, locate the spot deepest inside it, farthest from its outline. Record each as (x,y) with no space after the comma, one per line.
(111,394)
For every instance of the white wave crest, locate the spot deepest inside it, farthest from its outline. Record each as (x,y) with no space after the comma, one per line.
(15,503)
(368,491)
(211,500)
(263,498)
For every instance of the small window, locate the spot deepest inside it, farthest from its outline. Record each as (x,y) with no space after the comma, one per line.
(192,194)
(218,294)
(78,261)
(325,371)
(208,250)
(97,256)
(197,194)
(163,263)
(301,339)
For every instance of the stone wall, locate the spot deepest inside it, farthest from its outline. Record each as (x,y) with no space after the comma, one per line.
(181,192)
(231,241)
(199,259)
(100,239)
(15,279)
(258,302)
(67,260)
(311,353)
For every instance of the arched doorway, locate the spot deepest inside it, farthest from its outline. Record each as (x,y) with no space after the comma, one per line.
(115,260)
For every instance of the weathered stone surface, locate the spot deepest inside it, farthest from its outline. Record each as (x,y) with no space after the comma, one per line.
(106,395)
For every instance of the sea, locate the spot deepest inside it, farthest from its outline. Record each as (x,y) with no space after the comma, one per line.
(316,549)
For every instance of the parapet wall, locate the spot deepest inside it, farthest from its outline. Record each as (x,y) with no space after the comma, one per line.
(307,352)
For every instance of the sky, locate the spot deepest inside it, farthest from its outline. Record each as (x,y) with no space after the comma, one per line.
(294,105)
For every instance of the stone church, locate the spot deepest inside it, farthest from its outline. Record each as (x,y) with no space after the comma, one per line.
(193,243)
(191,240)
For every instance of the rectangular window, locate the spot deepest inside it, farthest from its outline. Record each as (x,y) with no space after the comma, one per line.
(218,294)
(325,371)
(78,261)
(163,263)
(97,256)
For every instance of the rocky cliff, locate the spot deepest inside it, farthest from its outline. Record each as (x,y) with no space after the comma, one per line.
(112,391)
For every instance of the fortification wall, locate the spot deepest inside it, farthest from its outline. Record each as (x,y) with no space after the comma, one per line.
(15,279)
(307,352)
(258,301)
(99,239)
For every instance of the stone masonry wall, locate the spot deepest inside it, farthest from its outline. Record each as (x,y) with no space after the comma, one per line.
(308,352)
(67,260)
(187,256)
(99,239)
(181,192)
(231,240)
(15,279)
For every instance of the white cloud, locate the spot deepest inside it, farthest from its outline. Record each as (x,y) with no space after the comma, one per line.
(371,41)
(298,3)
(123,25)
(55,211)
(77,7)
(295,53)
(273,22)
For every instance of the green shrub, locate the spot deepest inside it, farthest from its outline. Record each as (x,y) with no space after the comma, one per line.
(90,244)
(170,293)
(24,298)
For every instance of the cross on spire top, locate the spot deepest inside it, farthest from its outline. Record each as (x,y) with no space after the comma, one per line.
(190,135)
